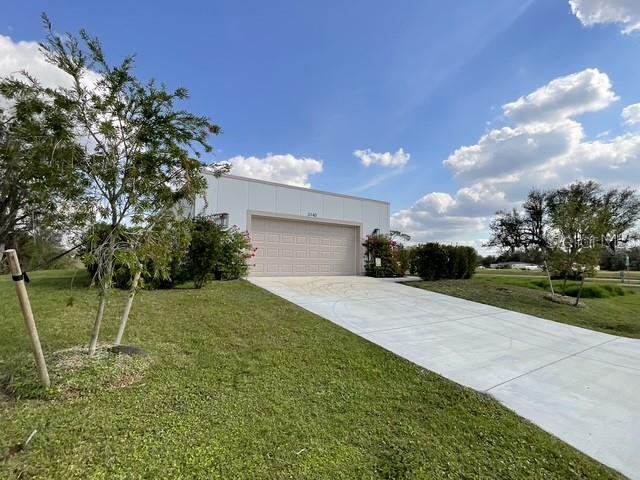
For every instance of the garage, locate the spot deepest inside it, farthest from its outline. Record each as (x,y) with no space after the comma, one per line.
(303,247)
(297,230)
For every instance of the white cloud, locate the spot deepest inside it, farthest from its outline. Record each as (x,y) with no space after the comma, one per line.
(545,148)
(625,13)
(506,150)
(277,168)
(425,225)
(438,216)
(16,57)
(565,97)
(631,114)
(386,159)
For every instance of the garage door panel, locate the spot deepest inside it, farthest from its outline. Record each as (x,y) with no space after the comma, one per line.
(289,247)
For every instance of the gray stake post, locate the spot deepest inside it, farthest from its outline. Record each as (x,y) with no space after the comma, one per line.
(29,321)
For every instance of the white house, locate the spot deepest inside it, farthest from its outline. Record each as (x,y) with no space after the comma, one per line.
(297,231)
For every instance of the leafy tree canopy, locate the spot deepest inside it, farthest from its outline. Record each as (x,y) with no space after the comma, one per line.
(38,154)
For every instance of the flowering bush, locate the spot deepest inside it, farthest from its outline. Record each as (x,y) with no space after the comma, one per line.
(388,251)
(236,251)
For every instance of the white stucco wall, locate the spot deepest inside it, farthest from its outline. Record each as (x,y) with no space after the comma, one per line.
(237,196)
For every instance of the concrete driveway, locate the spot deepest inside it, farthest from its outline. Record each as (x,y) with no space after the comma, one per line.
(580,385)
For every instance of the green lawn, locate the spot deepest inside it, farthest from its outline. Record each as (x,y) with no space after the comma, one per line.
(242,384)
(631,276)
(617,315)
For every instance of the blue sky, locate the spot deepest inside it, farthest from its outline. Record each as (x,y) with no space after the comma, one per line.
(319,80)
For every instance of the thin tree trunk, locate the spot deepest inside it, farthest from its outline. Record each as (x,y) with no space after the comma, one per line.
(546,267)
(127,308)
(580,290)
(564,283)
(105,283)
(1,252)
(98,323)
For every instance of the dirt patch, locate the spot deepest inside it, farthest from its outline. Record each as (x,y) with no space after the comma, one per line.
(74,374)
(563,300)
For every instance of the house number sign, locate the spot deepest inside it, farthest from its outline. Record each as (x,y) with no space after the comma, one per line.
(312,214)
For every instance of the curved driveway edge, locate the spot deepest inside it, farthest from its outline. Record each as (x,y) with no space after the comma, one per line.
(582,386)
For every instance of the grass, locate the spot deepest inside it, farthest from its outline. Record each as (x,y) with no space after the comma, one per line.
(631,277)
(608,308)
(241,384)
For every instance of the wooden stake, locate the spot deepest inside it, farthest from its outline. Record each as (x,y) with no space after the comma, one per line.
(29,321)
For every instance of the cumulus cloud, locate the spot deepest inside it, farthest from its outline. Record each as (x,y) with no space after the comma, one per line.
(16,57)
(277,168)
(631,115)
(386,159)
(438,216)
(503,151)
(625,13)
(544,148)
(565,97)
(425,226)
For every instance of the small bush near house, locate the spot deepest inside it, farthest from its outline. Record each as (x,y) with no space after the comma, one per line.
(387,250)
(214,253)
(434,261)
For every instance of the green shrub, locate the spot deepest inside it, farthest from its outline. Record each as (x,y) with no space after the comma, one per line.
(211,252)
(382,247)
(214,253)
(434,261)
(431,261)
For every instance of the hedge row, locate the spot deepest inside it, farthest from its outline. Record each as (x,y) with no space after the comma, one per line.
(434,261)
(210,252)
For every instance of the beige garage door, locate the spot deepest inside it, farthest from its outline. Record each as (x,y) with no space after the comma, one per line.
(289,247)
